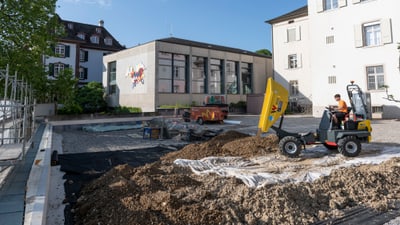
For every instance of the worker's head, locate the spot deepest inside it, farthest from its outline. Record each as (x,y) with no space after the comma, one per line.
(337,97)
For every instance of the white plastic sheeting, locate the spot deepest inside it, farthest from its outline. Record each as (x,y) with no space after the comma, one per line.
(273,168)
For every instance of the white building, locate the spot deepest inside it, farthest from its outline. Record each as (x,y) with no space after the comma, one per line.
(318,49)
(174,71)
(82,49)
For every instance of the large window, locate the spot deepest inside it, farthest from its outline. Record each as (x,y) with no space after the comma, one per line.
(231,77)
(172,73)
(112,78)
(292,61)
(247,71)
(215,79)
(375,77)
(372,34)
(61,50)
(199,68)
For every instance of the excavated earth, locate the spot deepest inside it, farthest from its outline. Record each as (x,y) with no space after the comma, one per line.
(165,193)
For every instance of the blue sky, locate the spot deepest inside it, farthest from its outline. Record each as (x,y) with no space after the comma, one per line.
(232,23)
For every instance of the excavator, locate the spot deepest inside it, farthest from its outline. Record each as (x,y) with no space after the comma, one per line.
(346,139)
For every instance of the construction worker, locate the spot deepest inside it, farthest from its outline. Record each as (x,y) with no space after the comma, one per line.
(340,112)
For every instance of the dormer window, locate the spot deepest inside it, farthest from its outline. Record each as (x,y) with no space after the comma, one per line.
(108,41)
(94,39)
(81,36)
(98,30)
(70,26)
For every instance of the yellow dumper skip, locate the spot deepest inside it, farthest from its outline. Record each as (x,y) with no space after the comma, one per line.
(275,102)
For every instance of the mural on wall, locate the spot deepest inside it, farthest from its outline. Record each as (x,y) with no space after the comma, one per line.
(136,73)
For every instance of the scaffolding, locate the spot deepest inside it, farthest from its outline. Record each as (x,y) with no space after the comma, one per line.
(16,118)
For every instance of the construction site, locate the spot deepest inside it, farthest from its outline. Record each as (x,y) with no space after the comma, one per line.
(167,170)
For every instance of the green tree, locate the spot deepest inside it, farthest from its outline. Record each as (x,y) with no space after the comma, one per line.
(264,52)
(28,31)
(91,97)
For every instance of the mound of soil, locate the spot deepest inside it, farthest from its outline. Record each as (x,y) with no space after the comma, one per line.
(164,193)
(230,143)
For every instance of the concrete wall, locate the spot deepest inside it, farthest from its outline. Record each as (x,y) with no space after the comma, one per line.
(128,94)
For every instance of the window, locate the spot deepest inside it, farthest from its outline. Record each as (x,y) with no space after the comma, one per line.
(231,77)
(215,79)
(70,26)
(83,56)
(199,68)
(332,80)
(377,109)
(98,30)
(60,50)
(326,5)
(330,4)
(293,34)
(55,69)
(112,77)
(94,39)
(247,72)
(172,73)
(373,34)
(83,73)
(108,41)
(293,88)
(330,39)
(358,1)
(292,61)
(81,36)
(375,77)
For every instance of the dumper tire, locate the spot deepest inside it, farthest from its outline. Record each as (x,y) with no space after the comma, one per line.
(290,146)
(349,146)
(200,121)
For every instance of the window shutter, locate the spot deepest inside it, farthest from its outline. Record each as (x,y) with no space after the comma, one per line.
(320,5)
(67,50)
(342,3)
(85,73)
(86,56)
(286,36)
(358,36)
(298,33)
(356,1)
(51,69)
(386,30)
(299,60)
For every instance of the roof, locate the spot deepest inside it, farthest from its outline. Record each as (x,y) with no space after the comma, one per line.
(301,12)
(185,42)
(75,28)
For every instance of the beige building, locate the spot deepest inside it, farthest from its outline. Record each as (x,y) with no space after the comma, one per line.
(176,71)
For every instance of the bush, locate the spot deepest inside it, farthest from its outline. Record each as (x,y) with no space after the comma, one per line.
(125,109)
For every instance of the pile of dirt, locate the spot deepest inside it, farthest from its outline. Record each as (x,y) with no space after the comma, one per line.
(230,143)
(164,193)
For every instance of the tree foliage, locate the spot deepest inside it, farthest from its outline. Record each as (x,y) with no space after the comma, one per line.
(91,97)
(28,29)
(264,52)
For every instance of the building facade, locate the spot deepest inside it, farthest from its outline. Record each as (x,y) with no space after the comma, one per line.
(174,71)
(82,50)
(340,41)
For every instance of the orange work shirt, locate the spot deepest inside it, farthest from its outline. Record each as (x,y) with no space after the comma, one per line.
(342,106)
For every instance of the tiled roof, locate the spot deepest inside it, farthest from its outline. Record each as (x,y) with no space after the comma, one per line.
(72,29)
(185,42)
(303,11)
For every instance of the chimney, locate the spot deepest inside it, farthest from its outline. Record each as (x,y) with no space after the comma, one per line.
(101,23)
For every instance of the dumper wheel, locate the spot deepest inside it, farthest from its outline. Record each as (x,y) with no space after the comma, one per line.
(349,146)
(290,146)
(200,121)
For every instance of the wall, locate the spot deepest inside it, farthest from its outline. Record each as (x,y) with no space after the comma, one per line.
(128,94)
(346,61)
